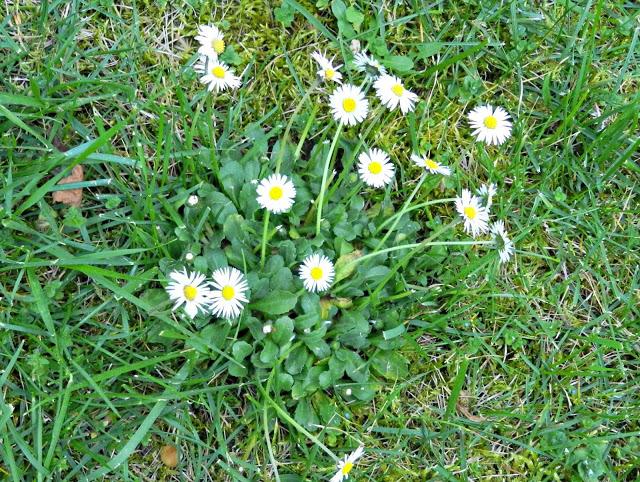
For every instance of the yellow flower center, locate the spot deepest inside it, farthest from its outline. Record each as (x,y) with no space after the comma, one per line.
(190,292)
(470,212)
(375,167)
(349,104)
(431,164)
(275,193)
(228,292)
(316,273)
(347,468)
(218,45)
(218,72)
(329,73)
(490,122)
(397,89)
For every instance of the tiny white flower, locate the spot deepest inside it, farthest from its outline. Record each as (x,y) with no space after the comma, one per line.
(368,65)
(492,126)
(192,200)
(348,392)
(211,40)
(346,465)
(317,273)
(475,216)
(393,94)
(486,193)
(188,256)
(430,165)
(276,193)
(189,289)
(216,75)
(266,329)
(228,295)
(503,242)
(327,70)
(349,105)
(375,168)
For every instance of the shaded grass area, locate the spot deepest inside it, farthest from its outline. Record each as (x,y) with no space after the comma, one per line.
(528,372)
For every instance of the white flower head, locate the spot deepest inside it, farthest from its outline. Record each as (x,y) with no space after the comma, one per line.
(228,295)
(492,126)
(503,242)
(276,193)
(368,65)
(192,200)
(216,75)
(375,168)
(434,167)
(211,40)
(317,273)
(189,256)
(346,465)
(189,289)
(474,214)
(266,329)
(328,71)
(349,105)
(486,193)
(392,93)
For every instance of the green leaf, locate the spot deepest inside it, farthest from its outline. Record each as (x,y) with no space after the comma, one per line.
(285,14)
(241,349)
(429,49)
(282,331)
(390,365)
(276,303)
(296,360)
(269,353)
(354,16)
(400,63)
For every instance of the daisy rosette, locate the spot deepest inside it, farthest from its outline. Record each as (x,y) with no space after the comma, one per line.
(473,213)
(276,193)
(216,75)
(368,65)
(317,273)
(491,125)
(504,244)
(345,466)
(228,294)
(375,168)
(327,70)
(211,40)
(393,94)
(349,105)
(190,290)
(434,167)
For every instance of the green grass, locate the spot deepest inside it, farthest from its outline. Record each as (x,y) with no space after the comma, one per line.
(543,351)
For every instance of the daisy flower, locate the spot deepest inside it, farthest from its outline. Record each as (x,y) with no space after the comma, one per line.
(189,289)
(491,125)
(317,273)
(375,168)
(345,466)
(475,215)
(327,70)
(368,65)
(392,93)
(216,75)
(503,242)
(430,165)
(486,193)
(211,40)
(276,193)
(228,295)
(349,104)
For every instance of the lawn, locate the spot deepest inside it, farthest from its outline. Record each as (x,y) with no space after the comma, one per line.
(441,361)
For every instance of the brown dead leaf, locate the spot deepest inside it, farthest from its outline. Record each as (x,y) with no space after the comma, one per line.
(70,197)
(169,456)
(462,406)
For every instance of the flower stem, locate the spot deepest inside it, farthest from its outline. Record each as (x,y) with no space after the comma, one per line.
(263,246)
(325,174)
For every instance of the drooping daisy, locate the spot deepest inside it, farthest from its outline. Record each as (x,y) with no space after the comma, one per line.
(486,193)
(228,295)
(345,466)
(349,104)
(503,242)
(492,126)
(366,64)
(392,93)
(430,165)
(217,75)
(276,193)
(375,168)
(474,214)
(327,70)
(189,289)
(317,273)
(211,40)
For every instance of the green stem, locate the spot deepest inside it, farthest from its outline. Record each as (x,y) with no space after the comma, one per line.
(325,174)
(413,208)
(263,246)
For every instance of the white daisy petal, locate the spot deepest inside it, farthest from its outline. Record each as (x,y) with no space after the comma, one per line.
(430,165)
(490,125)
(349,105)
(474,214)
(375,168)
(216,75)
(189,289)
(211,40)
(317,273)
(276,193)
(328,71)
(346,465)
(505,246)
(392,93)
(228,293)
(368,65)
